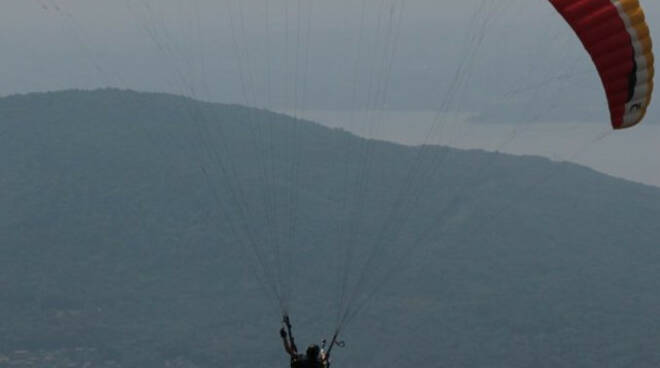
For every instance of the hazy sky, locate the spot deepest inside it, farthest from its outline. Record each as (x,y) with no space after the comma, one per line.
(528,69)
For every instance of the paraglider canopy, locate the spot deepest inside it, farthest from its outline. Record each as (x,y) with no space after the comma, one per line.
(616,35)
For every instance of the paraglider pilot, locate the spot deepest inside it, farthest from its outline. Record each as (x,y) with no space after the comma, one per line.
(314,357)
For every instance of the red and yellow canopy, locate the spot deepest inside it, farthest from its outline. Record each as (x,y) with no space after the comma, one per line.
(616,35)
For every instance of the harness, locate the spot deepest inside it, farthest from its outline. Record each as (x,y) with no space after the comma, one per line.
(300,361)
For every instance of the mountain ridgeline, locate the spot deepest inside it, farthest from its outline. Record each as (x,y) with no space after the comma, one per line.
(127,219)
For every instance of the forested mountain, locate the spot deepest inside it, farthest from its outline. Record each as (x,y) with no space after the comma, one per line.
(126,219)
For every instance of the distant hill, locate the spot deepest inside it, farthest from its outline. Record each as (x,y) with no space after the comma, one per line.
(120,248)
